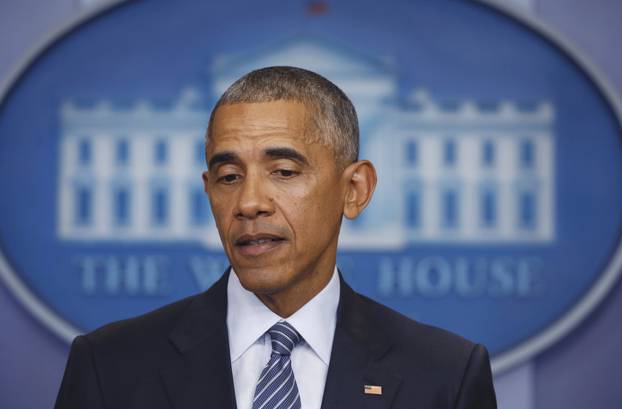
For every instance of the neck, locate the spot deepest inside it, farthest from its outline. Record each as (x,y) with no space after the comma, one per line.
(287,302)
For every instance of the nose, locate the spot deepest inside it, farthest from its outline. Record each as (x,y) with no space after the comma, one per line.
(253,198)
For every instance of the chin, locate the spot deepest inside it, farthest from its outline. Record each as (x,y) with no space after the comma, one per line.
(259,282)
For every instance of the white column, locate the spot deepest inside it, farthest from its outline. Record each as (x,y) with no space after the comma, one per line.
(141,149)
(545,155)
(470,175)
(505,172)
(431,163)
(66,192)
(176,169)
(102,165)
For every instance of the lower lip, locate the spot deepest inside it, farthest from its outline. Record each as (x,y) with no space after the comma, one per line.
(260,249)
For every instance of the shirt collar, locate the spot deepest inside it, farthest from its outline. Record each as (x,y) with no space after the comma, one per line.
(248,318)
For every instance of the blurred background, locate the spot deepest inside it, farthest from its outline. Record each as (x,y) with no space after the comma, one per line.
(509,237)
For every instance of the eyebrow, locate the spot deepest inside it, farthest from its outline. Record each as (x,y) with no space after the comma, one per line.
(222,157)
(286,153)
(276,153)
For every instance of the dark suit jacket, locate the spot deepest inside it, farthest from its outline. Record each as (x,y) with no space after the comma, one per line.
(178,357)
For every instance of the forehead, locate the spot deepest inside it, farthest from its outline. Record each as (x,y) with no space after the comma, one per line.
(278,119)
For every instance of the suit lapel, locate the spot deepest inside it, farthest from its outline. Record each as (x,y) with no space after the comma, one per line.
(201,375)
(200,378)
(357,360)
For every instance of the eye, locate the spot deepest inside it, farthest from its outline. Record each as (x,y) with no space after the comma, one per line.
(229,178)
(285,173)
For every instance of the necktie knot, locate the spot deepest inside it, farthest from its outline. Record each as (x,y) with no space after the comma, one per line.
(284,338)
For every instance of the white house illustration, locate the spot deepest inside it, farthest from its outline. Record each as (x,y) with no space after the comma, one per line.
(447,172)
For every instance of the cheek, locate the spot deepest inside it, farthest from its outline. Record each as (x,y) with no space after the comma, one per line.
(314,213)
(220,211)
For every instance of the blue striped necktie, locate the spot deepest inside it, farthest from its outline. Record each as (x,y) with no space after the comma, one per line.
(276,388)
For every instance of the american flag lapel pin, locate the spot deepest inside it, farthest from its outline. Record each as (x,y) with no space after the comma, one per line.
(372,390)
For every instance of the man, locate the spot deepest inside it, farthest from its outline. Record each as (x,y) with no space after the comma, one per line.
(280,329)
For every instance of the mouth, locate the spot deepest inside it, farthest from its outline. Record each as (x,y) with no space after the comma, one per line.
(257,244)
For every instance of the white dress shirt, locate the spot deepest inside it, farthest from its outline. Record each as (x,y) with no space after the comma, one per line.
(248,321)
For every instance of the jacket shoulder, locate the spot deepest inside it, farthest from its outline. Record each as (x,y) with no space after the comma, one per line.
(432,346)
(144,335)
(408,328)
(440,368)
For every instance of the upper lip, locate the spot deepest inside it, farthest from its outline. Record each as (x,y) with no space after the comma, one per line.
(246,238)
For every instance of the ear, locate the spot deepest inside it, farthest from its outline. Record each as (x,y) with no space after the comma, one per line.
(205,177)
(360,184)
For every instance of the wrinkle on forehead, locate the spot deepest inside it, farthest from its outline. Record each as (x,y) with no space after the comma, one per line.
(260,119)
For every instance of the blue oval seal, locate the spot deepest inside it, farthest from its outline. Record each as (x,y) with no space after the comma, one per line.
(497,146)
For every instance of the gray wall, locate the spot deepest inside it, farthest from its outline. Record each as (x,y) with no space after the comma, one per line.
(581,371)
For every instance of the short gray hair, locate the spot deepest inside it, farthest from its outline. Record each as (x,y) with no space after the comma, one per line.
(335,117)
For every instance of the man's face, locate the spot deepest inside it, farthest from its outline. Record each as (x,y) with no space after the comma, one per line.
(277,197)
